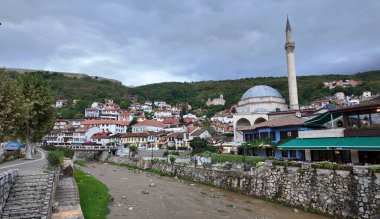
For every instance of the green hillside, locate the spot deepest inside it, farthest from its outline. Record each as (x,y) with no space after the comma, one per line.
(88,90)
(309,88)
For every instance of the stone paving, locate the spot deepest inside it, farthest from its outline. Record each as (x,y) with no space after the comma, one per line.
(67,200)
(30,197)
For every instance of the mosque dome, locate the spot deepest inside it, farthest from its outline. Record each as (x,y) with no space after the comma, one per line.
(261,91)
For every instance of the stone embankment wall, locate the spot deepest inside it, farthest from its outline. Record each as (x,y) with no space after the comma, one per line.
(7,179)
(338,193)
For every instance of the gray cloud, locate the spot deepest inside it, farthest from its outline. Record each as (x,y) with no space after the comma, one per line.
(140,42)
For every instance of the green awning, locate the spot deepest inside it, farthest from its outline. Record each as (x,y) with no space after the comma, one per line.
(347,143)
(322,119)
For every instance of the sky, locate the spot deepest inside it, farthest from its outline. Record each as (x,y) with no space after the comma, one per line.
(141,42)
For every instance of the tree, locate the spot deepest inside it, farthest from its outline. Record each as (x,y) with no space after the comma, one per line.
(124,104)
(12,111)
(134,121)
(200,145)
(40,114)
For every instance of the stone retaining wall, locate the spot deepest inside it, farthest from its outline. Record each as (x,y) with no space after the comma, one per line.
(339,193)
(7,179)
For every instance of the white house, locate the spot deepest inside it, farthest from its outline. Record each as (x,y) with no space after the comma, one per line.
(102,138)
(148,125)
(162,113)
(84,134)
(114,126)
(60,103)
(223,118)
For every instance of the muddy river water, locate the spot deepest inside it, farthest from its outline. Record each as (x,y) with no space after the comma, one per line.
(172,198)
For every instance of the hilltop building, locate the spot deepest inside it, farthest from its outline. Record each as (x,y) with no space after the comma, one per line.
(216,102)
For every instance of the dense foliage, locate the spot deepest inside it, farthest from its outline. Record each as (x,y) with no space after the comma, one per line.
(88,90)
(309,88)
(55,158)
(12,110)
(236,159)
(200,145)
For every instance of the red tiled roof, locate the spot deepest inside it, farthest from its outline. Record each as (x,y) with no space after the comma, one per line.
(150,123)
(82,129)
(91,108)
(172,121)
(277,122)
(176,135)
(104,121)
(192,128)
(101,135)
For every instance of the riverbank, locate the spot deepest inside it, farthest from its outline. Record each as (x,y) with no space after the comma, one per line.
(138,194)
(94,197)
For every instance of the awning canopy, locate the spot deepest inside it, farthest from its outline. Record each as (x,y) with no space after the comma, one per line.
(347,143)
(322,119)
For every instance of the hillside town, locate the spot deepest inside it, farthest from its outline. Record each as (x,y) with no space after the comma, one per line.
(262,155)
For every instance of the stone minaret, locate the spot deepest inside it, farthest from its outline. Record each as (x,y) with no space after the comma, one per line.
(292,80)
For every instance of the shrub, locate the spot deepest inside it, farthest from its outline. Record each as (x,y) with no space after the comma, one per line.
(166,153)
(374,169)
(55,158)
(238,159)
(133,148)
(11,155)
(183,148)
(172,159)
(330,166)
(67,152)
(49,147)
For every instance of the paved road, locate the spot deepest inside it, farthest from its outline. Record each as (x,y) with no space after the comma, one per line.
(27,166)
(172,198)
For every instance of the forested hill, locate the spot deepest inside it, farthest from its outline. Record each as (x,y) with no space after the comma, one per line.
(309,88)
(88,90)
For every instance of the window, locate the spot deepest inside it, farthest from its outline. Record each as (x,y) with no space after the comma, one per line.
(284,153)
(272,136)
(375,119)
(293,153)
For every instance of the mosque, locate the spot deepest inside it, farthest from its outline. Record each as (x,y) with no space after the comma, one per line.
(258,101)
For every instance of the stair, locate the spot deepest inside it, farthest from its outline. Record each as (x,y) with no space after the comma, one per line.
(30,197)
(67,200)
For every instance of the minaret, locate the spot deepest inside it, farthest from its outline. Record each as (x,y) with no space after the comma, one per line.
(292,80)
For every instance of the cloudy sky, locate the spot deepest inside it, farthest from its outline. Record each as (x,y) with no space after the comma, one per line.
(140,42)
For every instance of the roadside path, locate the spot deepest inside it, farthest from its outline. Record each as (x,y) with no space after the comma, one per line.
(27,166)
(173,198)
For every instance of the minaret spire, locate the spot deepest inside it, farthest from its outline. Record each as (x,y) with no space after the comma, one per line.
(292,80)
(288,28)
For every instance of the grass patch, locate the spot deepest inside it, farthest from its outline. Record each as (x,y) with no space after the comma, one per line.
(80,163)
(94,197)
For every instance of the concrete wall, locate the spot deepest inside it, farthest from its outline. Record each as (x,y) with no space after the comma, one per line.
(6,181)
(338,193)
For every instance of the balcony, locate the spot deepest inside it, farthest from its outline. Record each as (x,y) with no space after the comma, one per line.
(362,132)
